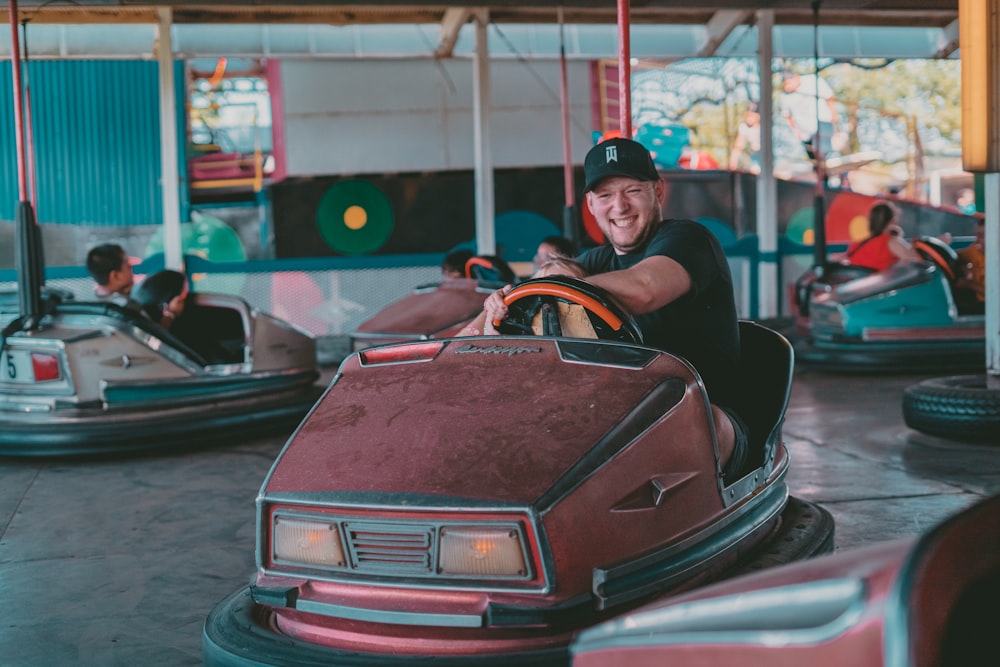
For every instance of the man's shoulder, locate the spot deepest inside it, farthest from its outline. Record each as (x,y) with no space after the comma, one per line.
(594,258)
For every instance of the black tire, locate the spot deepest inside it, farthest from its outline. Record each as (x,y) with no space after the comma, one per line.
(957,407)
(806,531)
(237,633)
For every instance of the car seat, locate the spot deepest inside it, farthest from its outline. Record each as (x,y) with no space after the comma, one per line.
(767,362)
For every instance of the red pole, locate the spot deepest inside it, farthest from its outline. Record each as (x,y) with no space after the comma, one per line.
(624,71)
(564,99)
(15,62)
(29,133)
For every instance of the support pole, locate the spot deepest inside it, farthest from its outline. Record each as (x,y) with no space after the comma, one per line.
(819,165)
(991,207)
(485,232)
(173,252)
(769,290)
(624,70)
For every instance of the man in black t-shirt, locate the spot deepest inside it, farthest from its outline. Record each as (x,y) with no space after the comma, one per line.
(672,275)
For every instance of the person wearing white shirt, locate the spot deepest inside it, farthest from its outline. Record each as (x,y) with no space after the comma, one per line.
(808,105)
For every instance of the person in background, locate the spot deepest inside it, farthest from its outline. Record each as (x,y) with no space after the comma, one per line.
(162,296)
(453,265)
(965,201)
(559,265)
(109,266)
(885,244)
(808,104)
(671,275)
(553,246)
(970,287)
(746,148)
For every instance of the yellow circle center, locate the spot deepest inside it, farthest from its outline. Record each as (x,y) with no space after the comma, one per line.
(355,217)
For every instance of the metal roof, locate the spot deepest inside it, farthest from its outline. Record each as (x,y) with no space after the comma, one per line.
(333,29)
(925,13)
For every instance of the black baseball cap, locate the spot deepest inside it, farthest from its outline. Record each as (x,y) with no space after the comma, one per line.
(618,157)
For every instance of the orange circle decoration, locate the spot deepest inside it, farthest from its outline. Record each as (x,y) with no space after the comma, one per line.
(355,217)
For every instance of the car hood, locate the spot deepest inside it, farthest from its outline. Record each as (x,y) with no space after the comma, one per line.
(498,420)
(428,311)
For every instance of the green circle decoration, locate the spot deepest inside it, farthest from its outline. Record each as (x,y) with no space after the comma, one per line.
(354,217)
(800,226)
(210,238)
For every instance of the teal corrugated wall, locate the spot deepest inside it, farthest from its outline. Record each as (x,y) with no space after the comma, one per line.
(97,142)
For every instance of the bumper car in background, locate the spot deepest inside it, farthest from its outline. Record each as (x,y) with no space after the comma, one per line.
(438,310)
(480,500)
(909,317)
(920,602)
(94,377)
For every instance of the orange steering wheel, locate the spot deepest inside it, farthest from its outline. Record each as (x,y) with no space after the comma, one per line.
(610,320)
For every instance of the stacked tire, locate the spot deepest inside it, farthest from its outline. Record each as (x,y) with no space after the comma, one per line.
(957,407)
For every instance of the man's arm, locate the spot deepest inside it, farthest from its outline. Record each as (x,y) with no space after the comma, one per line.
(903,250)
(651,284)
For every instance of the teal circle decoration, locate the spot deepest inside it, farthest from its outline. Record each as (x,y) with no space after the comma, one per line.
(518,234)
(723,232)
(354,217)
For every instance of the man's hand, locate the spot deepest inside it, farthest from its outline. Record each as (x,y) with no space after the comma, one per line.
(496,309)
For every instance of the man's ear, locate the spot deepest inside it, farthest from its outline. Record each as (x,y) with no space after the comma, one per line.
(660,188)
(586,200)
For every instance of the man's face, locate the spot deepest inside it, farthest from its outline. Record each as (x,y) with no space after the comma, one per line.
(121,281)
(791,84)
(626,210)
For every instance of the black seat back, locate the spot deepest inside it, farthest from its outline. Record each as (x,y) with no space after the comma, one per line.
(767,362)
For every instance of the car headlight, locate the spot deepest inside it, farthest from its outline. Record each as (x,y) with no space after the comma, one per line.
(481,551)
(306,542)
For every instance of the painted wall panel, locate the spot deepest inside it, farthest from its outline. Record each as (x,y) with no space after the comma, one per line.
(419,116)
(97,142)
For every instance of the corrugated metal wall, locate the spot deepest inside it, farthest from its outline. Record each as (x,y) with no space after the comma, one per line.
(97,142)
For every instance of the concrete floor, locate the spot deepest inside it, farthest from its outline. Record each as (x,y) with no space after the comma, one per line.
(118,561)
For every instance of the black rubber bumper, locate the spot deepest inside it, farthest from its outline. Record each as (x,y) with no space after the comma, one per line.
(891,358)
(237,634)
(208,422)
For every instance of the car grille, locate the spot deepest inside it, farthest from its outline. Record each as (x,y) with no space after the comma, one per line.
(376,547)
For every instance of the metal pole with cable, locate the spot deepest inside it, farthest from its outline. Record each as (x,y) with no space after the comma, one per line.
(819,166)
(569,210)
(28,259)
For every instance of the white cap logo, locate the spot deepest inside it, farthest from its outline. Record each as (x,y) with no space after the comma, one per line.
(611,154)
